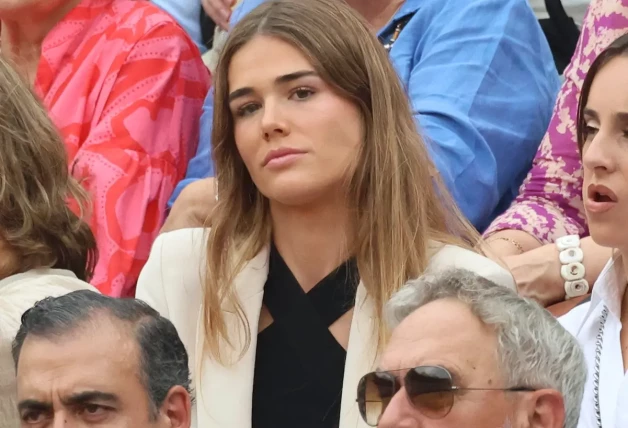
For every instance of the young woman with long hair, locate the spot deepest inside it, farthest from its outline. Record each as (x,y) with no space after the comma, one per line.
(328,203)
(601,324)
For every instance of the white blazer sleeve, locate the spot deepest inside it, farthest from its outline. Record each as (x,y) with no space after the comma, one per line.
(451,256)
(171,280)
(150,283)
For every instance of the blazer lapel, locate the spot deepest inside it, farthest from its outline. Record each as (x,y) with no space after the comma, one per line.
(224,394)
(361,358)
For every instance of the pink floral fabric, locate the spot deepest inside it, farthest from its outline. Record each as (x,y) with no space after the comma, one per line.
(125,86)
(550,204)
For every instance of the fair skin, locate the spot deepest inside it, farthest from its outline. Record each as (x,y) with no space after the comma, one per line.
(90,378)
(446,333)
(605,163)
(193,206)
(25,24)
(298,140)
(537,270)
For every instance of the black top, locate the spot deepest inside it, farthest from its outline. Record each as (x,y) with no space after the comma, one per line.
(299,365)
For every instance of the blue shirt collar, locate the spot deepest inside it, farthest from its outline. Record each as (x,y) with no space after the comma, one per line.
(408,8)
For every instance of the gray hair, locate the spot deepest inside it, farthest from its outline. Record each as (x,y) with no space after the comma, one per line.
(534,350)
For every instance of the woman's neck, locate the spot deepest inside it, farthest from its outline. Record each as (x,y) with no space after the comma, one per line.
(376,12)
(312,242)
(22,36)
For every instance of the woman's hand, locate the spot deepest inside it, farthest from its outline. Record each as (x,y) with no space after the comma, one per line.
(537,274)
(219,11)
(193,207)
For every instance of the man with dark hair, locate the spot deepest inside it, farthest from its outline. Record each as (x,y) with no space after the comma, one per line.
(84,359)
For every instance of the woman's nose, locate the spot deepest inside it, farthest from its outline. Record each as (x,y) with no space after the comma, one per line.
(274,123)
(597,154)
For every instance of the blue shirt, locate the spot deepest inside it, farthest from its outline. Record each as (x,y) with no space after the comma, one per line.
(482,83)
(188,14)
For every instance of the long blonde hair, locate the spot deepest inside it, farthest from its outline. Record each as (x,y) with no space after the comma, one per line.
(398,202)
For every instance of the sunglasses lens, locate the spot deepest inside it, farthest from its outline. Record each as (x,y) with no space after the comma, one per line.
(430,390)
(375,391)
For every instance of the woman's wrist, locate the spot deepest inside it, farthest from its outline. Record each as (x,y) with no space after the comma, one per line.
(537,274)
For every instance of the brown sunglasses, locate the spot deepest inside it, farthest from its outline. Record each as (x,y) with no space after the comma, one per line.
(430,390)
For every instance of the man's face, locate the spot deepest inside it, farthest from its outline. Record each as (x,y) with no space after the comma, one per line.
(87,378)
(446,333)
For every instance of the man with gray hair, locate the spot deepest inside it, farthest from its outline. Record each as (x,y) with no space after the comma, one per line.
(466,352)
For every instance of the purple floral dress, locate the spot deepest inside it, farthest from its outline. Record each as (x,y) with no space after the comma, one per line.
(549,204)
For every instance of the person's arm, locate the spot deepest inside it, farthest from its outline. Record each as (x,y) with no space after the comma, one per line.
(138,149)
(483,86)
(537,272)
(194,206)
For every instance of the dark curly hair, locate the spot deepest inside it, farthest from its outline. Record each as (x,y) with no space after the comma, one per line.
(36,188)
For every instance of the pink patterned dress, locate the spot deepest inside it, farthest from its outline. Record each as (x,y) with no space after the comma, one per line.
(125,86)
(549,204)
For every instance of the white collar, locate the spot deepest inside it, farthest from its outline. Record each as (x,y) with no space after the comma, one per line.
(610,286)
(36,273)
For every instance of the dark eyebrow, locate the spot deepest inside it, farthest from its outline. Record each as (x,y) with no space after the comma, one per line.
(241,92)
(294,76)
(34,405)
(90,396)
(622,116)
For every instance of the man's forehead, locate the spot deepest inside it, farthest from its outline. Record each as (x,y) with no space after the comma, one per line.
(445,330)
(84,359)
(97,333)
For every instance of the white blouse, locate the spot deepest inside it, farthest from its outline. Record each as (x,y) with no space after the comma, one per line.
(584,323)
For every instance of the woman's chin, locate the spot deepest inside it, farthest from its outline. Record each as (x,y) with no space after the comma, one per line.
(293,195)
(607,235)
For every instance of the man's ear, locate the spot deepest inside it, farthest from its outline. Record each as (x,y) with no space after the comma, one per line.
(177,408)
(545,408)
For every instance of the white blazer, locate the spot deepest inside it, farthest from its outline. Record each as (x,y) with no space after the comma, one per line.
(171,282)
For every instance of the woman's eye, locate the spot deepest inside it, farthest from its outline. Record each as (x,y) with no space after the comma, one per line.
(246,110)
(302,93)
(589,131)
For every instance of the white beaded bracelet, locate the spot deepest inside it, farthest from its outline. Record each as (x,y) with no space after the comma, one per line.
(572,269)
